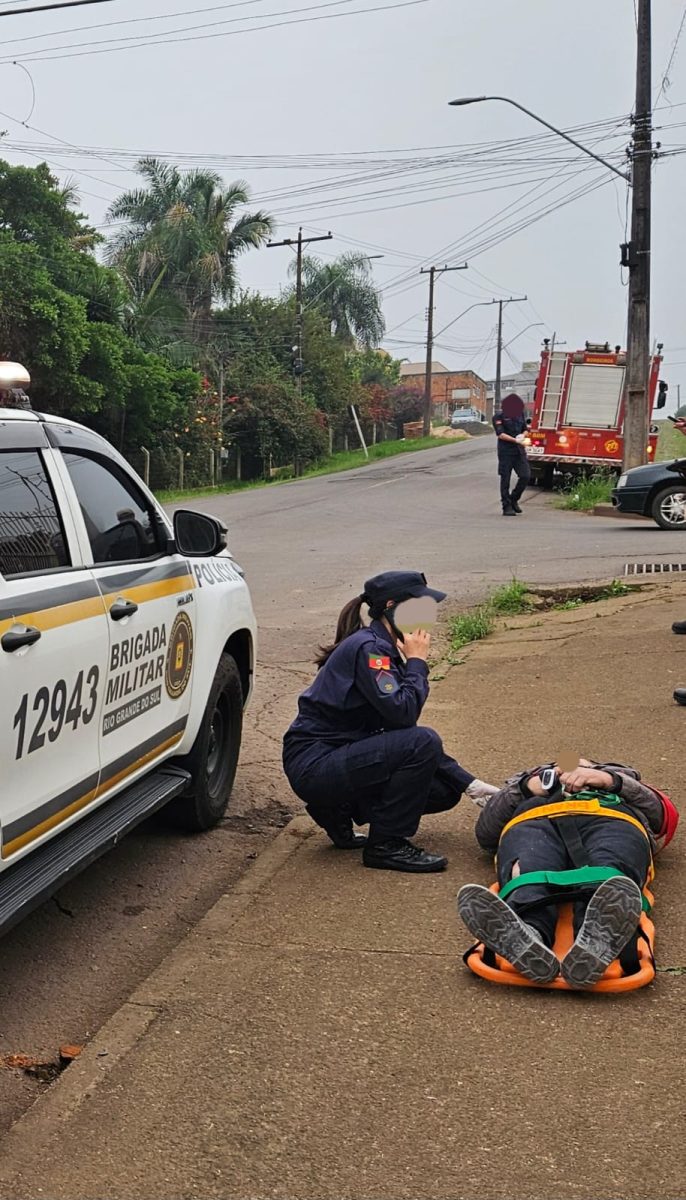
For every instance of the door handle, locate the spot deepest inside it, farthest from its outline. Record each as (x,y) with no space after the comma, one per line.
(123,608)
(21,635)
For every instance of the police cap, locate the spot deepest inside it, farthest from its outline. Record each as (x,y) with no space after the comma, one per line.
(398,585)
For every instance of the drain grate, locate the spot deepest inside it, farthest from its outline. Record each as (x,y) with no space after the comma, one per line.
(659,568)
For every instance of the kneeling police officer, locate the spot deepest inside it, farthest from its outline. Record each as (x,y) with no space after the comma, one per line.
(355,752)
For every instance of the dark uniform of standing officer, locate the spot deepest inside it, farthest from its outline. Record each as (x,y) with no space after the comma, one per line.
(510,426)
(355,752)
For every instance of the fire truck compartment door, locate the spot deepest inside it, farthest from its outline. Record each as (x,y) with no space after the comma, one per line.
(595,393)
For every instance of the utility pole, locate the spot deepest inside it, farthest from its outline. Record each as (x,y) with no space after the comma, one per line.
(431,272)
(299,242)
(637,255)
(499,358)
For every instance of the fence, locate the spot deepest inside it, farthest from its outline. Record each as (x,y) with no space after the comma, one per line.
(170,468)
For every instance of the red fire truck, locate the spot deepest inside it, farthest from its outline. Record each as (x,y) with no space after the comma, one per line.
(578,415)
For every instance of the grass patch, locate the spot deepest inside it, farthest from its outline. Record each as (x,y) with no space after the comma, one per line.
(515,598)
(670,443)
(347,460)
(508,600)
(512,598)
(471,627)
(586,492)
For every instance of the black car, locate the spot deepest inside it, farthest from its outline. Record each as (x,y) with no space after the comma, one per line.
(657,490)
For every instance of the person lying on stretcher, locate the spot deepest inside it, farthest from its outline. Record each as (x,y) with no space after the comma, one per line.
(598,824)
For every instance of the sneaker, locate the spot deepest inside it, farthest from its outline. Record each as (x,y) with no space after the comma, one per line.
(399,854)
(679,627)
(497,925)
(612,917)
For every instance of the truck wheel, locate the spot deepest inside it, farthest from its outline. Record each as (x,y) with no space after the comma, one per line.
(668,508)
(213,760)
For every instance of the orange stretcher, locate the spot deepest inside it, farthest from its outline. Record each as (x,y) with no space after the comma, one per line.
(497,970)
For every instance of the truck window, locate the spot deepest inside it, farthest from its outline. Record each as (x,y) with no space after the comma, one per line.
(31,534)
(595,393)
(118,521)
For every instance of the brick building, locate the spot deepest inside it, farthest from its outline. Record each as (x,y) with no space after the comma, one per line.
(449,389)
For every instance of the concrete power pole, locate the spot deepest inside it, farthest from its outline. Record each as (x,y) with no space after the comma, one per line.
(299,242)
(499,357)
(431,272)
(637,255)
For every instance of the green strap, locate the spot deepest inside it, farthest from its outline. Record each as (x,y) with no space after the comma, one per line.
(575,878)
(606,799)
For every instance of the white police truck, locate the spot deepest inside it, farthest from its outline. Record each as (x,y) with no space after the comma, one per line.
(127,646)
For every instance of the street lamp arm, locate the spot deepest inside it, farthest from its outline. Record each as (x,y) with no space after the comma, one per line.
(553,128)
(479,304)
(533,325)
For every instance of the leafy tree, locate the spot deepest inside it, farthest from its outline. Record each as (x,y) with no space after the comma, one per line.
(343,292)
(406,404)
(187,229)
(64,316)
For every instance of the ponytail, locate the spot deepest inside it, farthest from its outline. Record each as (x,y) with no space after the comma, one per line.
(349,621)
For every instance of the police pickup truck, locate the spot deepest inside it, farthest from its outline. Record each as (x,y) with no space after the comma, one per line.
(127,646)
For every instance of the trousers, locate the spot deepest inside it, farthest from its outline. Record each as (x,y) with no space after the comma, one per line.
(521,468)
(387,780)
(538,846)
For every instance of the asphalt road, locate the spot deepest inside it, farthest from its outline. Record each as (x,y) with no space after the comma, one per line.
(306,547)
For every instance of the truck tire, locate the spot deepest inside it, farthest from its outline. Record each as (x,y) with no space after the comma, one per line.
(668,508)
(213,760)
(543,476)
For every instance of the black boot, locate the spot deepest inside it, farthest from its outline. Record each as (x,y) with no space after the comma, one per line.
(679,627)
(515,506)
(399,854)
(680,696)
(338,827)
(509,511)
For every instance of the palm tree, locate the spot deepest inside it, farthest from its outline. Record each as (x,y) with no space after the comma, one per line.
(343,291)
(182,234)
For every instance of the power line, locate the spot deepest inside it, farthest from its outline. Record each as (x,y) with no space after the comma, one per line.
(665,81)
(130,20)
(47,55)
(14,12)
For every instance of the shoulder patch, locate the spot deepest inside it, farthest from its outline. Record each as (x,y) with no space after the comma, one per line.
(379,662)
(386,684)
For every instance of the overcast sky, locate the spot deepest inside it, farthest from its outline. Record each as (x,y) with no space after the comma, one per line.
(366,84)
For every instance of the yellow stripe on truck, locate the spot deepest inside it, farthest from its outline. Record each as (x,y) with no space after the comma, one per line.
(54,618)
(58,818)
(81,610)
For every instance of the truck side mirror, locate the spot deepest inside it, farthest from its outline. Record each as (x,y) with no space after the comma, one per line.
(662,389)
(198,534)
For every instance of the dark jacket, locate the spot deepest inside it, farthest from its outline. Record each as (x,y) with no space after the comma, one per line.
(515,798)
(513,426)
(363,688)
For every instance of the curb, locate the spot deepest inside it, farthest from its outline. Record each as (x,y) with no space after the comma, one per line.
(125,1028)
(609,510)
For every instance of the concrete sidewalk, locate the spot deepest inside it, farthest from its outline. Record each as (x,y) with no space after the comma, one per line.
(317,1036)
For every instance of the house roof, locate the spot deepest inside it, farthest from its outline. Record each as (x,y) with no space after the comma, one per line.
(420,369)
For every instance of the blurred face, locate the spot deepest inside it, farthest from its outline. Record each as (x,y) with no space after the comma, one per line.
(419,613)
(513,406)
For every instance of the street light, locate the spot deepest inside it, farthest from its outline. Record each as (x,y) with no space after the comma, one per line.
(463,100)
(533,325)
(479,304)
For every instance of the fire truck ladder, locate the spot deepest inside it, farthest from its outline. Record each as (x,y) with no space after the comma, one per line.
(552,393)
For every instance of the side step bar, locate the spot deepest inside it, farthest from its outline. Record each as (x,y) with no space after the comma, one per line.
(38,875)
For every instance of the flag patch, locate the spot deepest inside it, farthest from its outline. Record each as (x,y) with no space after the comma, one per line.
(378,662)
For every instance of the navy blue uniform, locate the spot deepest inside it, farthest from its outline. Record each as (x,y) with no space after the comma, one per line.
(355,747)
(511,458)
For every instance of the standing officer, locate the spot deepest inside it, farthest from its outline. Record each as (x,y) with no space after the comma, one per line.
(510,427)
(355,752)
